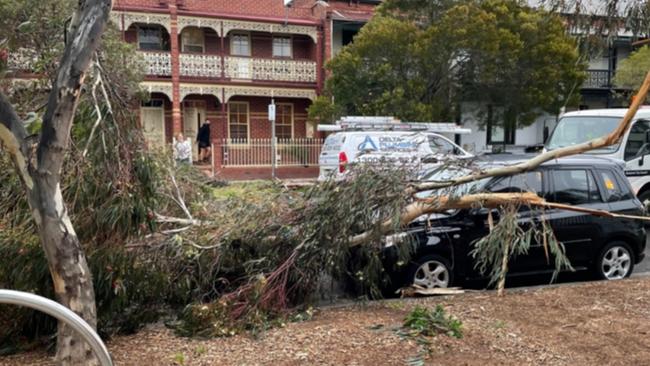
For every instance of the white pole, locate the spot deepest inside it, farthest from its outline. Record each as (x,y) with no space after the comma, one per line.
(212,159)
(272,118)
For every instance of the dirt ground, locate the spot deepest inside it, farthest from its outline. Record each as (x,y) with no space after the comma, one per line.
(596,323)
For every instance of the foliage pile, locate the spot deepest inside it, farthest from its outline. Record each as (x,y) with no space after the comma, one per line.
(273,253)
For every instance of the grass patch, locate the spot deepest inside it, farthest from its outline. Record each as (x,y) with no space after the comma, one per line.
(246,190)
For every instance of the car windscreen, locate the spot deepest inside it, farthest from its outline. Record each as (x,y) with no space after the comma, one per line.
(578,129)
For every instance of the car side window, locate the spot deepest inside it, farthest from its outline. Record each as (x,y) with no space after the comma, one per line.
(441,146)
(574,187)
(637,141)
(525,182)
(613,189)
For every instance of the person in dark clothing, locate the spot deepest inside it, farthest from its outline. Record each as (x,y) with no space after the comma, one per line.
(203,138)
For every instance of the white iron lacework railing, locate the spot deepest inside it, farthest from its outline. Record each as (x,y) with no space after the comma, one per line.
(200,65)
(257,152)
(270,69)
(157,63)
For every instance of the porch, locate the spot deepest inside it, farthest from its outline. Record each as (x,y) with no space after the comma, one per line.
(240,133)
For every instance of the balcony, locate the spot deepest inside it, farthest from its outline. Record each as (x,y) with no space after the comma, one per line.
(157,63)
(200,65)
(597,79)
(270,69)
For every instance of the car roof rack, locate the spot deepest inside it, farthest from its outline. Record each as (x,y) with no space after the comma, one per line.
(362,123)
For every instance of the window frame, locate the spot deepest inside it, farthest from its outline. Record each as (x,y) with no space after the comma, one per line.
(288,37)
(291,117)
(160,38)
(183,43)
(232,41)
(248,121)
(551,194)
(509,132)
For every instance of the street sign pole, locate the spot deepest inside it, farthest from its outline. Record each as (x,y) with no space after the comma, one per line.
(273,142)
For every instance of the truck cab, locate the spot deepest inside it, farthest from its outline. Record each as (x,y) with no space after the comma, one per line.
(634,149)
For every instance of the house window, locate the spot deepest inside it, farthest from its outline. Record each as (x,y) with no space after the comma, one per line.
(150,38)
(192,39)
(498,130)
(238,121)
(282,47)
(284,121)
(240,45)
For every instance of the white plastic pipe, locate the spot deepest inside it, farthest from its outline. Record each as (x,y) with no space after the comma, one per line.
(63,314)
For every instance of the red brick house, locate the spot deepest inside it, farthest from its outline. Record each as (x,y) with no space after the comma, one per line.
(224,60)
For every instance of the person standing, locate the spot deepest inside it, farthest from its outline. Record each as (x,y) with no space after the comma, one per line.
(182,149)
(203,138)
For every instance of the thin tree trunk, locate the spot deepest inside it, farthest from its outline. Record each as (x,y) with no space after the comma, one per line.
(73,284)
(41,177)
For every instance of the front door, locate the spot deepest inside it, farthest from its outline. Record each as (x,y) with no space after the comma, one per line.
(193,118)
(153,125)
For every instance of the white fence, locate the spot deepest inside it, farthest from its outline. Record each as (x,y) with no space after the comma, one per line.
(258,152)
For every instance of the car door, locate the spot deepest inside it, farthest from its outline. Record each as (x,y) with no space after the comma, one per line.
(637,149)
(578,232)
(621,200)
(526,217)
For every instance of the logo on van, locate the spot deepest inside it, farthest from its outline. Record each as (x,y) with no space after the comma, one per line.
(367,144)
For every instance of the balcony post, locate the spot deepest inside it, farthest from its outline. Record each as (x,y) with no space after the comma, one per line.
(319,61)
(222,53)
(176,102)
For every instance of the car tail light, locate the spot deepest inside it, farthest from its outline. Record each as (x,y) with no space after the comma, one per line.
(343,161)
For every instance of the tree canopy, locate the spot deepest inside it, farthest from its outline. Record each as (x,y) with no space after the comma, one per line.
(418,62)
(631,71)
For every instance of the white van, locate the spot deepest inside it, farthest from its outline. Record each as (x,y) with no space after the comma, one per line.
(356,144)
(582,126)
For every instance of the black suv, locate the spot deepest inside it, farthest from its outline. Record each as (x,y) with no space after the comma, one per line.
(610,247)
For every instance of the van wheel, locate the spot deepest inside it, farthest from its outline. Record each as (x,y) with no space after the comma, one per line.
(431,271)
(615,261)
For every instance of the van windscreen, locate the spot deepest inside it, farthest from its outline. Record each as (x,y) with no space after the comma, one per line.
(576,130)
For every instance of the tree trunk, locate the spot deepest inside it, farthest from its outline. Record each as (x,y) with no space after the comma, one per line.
(73,285)
(41,177)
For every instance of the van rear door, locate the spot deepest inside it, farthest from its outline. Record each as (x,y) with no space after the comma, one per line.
(329,155)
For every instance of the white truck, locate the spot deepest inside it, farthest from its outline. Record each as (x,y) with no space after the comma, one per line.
(383,139)
(634,149)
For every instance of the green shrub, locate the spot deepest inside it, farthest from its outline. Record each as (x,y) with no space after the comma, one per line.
(424,322)
(129,291)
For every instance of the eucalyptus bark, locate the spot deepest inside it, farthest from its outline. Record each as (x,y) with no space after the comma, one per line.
(41,176)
